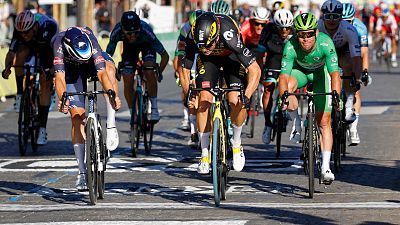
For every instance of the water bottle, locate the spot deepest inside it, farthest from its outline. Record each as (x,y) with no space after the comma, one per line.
(229,123)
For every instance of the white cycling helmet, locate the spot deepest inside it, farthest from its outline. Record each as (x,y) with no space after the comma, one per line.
(260,13)
(283,18)
(24,21)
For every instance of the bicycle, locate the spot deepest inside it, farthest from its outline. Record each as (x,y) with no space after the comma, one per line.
(28,119)
(140,124)
(220,145)
(310,146)
(96,153)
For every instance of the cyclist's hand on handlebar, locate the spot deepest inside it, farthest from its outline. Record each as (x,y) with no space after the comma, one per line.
(65,108)
(117,103)
(246,102)
(6,73)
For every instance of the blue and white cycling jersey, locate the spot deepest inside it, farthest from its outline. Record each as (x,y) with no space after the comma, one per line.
(345,38)
(362,32)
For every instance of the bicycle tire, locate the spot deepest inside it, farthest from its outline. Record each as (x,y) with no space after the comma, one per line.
(23,123)
(134,136)
(216,174)
(279,129)
(35,123)
(311,160)
(252,111)
(91,162)
(103,157)
(148,137)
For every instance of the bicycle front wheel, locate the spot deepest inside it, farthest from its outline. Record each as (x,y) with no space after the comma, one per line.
(216,161)
(23,123)
(103,158)
(34,129)
(311,159)
(91,160)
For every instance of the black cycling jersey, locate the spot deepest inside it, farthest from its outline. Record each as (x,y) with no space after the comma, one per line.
(272,43)
(229,43)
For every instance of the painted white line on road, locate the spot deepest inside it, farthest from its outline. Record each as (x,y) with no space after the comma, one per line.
(197,205)
(373,110)
(174,222)
(2,114)
(57,115)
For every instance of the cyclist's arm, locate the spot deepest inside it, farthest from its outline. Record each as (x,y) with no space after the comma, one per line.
(60,84)
(289,55)
(331,62)
(164,60)
(355,50)
(104,80)
(254,74)
(184,77)
(9,59)
(364,56)
(114,38)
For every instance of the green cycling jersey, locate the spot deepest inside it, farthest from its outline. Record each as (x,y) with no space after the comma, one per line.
(314,67)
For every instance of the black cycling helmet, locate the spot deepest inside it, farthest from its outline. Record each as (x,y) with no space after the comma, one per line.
(130,21)
(205,30)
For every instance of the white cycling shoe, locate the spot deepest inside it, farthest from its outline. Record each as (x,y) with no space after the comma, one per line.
(295,135)
(81,182)
(266,136)
(112,138)
(42,137)
(204,166)
(354,139)
(238,159)
(327,176)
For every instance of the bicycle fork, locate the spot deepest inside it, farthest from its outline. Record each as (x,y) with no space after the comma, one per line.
(217,115)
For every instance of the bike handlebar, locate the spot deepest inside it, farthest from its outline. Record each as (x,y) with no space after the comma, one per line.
(216,91)
(334,94)
(110,93)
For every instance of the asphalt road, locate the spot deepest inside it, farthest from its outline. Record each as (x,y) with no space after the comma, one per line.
(164,188)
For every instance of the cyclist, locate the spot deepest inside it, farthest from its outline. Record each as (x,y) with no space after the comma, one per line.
(386,26)
(189,121)
(77,55)
(217,39)
(362,31)
(310,56)
(220,7)
(137,36)
(273,38)
(251,29)
(345,38)
(32,36)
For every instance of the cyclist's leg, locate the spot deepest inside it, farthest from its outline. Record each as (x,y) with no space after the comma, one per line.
(269,83)
(112,133)
(345,63)
(296,80)
(394,50)
(149,59)
(235,76)
(323,108)
(46,84)
(207,77)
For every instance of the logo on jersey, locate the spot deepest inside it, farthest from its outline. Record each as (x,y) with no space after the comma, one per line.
(246,52)
(283,64)
(58,61)
(201,35)
(228,35)
(334,60)
(316,58)
(205,84)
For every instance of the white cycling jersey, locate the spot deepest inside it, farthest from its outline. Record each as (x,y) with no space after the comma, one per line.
(345,36)
(390,22)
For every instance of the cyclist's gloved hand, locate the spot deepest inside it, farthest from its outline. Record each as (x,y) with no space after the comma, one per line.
(6,73)
(61,108)
(246,102)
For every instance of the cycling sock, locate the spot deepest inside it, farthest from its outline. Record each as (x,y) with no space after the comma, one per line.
(43,112)
(350,101)
(79,150)
(110,114)
(353,126)
(204,142)
(20,84)
(185,113)
(326,158)
(394,57)
(237,132)
(192,120)
(296,119)
(153,101)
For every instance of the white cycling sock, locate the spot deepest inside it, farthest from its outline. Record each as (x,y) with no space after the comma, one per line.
(353,126)
(394,57)
(237,132)
(153,101)
(205,143)
(110,114)
(185,113)
(296,119)
(326,158)
(79,150)
(192,121)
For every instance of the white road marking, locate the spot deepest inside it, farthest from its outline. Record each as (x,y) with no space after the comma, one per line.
(172,222)
(198,205)
(373,110)
(57,115)
(2,114)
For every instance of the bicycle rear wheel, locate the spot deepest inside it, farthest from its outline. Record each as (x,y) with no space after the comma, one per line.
(216,161)
(91,161)
(23,123)
(311,159)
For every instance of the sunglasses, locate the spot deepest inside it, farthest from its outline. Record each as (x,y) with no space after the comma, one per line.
(257,24)
(332,16)
(27,31)
(130,33)
(284,28)
(304,35)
